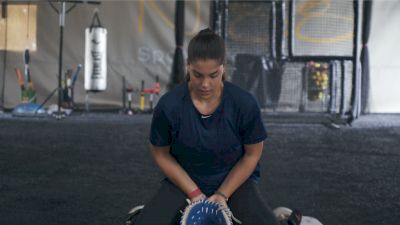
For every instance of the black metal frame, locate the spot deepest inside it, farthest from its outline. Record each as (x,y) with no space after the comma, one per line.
(2,94)
(356,84)
(356,91)
(309,57)
(219,17)
(62,13)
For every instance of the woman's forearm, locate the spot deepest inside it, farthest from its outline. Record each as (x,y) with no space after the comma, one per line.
(242,170)
(172,169)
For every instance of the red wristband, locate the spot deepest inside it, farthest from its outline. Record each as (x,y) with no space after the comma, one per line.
(195,193)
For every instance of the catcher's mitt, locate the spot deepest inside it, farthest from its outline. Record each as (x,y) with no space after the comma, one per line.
(204,212)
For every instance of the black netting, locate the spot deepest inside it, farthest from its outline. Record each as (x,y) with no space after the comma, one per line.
(348,85)
(316,80)
(284,20)
(281,85)
(336,86)
(291,88)
(248,27)
(322,28)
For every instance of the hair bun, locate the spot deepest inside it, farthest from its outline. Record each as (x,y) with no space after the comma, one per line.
(207,31)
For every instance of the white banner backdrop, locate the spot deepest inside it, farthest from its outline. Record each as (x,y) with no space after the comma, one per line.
(384,58)
(140,46)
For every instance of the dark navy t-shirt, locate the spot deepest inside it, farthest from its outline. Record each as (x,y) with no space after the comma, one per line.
(207,147)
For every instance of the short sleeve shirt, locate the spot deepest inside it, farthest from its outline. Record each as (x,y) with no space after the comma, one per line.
(207,147)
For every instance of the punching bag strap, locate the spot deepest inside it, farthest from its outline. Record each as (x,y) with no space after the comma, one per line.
(95,19)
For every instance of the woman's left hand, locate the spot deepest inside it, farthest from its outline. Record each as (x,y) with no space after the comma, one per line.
(218,199)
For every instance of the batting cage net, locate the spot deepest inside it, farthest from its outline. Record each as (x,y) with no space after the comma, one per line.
(293,56)
(322,28)
(248,28)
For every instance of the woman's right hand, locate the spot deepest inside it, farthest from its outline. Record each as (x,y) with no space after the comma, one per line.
(218,199)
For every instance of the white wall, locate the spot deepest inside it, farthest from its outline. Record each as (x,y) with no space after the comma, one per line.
(384,48)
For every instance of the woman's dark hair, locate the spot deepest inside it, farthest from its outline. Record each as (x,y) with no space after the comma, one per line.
(206,45)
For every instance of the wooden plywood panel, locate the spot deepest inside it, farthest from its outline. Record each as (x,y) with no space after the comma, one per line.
(20,28)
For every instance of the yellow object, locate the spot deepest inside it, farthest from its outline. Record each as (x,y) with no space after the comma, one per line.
(141,102)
